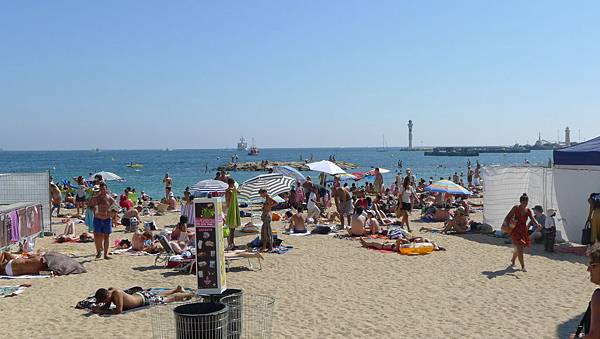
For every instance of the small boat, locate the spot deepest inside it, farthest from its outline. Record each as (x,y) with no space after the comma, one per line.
(253,150)
(135,165)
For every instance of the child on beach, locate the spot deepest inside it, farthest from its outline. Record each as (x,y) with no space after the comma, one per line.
(549,230)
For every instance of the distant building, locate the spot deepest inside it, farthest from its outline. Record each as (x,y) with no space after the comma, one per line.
(567,136)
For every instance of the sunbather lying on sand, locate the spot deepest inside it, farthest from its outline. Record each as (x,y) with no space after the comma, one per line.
(124,301)
(143,242)
(12,265)
(395,246)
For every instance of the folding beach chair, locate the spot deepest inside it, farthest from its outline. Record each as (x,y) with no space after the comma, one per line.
(231,256)
(163,258)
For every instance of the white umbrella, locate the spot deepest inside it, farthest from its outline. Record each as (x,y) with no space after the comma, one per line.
(204,187)
(106,176)
(326,167)
(274,184)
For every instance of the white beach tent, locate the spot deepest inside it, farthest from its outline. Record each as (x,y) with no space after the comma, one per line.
(504,185)
(576,176)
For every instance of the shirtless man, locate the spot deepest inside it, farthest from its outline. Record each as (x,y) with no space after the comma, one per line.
(102,219)
(378,185)
(266,233)
(124,301)
(13,266)
(343,202)
(297,222)
(54,198)
(357,226)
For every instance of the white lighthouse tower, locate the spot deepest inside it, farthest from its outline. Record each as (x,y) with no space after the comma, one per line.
(410,126)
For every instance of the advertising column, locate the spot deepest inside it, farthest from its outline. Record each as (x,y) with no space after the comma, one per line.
(210,245)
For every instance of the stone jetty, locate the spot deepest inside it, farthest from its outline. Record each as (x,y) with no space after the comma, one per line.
(258,166)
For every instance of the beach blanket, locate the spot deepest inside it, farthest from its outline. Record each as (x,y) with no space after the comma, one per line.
(300,234)
(24,277)
(281,249)
(129,251)
(11,291)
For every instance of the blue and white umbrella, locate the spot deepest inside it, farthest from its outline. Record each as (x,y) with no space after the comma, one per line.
(204,187)
(447,186)
(106,176)
(289,172)
(274,183)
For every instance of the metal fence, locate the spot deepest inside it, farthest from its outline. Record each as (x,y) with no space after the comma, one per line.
(27,187)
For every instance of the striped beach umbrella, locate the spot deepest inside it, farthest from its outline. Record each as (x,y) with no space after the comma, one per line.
(274,183)
(447,186)
(205,187)
(289,172)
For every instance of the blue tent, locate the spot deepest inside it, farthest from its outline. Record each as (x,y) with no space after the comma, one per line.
(586,153)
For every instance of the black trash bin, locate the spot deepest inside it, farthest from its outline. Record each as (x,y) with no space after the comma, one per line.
(201,321)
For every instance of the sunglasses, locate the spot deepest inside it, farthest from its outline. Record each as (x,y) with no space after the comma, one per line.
(592,265)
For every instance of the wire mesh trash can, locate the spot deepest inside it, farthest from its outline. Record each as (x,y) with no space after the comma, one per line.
(250,316)
(201,321)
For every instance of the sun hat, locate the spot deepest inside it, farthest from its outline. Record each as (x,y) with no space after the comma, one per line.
(538,208)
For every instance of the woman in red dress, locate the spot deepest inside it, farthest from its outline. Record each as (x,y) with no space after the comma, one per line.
(519,235)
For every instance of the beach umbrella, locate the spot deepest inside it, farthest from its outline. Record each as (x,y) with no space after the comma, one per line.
(447,186)
(381,170)
(289,172)
(274,183)
(106,176)
(205,187)
(326,167)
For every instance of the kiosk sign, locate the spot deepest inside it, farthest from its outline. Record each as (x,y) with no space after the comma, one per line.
(210,256)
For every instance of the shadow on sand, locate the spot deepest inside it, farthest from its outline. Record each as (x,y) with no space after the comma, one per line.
(534,249)
(505,271)
(569,327)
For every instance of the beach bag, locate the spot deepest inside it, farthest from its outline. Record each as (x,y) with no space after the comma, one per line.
(595,197)
(586,234)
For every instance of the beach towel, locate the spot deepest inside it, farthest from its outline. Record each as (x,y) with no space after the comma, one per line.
(14,226)
(11,277)
(233,211)
(89,219)
(300,234)
(129,251)
(281,249)
(11,291)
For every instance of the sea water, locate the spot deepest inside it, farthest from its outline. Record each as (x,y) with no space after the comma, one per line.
(187,167)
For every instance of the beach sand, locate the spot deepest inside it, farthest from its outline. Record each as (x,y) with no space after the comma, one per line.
(333,288)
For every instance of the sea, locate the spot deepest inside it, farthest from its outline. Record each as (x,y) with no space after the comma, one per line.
(188,166)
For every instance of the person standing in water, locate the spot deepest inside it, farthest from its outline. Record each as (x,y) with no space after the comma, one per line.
(519,234)
(102,220)
(233,212)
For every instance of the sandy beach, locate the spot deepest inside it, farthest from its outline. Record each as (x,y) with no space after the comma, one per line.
(333,288)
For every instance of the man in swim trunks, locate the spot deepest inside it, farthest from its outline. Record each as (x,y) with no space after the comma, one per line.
(12,265)
(55,198)
(168,181)
(378,184)
(343,202)
(102,202)
(124,301)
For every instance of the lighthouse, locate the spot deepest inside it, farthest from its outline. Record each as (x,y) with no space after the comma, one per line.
(567,136)
(410,126)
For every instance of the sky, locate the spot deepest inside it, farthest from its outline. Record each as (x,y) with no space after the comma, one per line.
(196,74)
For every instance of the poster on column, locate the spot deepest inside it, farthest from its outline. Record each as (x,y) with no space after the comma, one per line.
(210,256)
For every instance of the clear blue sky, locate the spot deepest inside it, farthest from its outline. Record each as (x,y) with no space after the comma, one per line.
(192,74)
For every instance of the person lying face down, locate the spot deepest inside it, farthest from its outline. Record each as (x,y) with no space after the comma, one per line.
(124,301)
(12,265)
